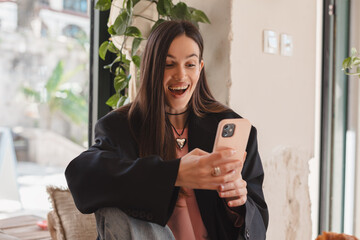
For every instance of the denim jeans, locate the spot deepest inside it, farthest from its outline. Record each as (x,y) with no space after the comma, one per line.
(114,224)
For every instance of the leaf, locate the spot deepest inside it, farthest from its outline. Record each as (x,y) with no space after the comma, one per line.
(125,61)
(135,45)
(199,16)
(356,61)
(111,30)
(133,32)
(121,101)
(120,82)
(353,51)
(196,24)
(112,48)
(129,6)
(73,106)
(112,101)
(29,92)
(53,82)
(121,22)
(136,59)
(180,11)
(158,22)
(69,74)
(103,49)
(164,7)
(117,71)
(103,5)
(345,63)
(122,86)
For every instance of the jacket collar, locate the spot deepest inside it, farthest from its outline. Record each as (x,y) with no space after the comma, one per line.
(202,132)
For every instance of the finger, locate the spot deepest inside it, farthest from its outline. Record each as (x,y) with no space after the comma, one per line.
(217,183)
(242,162)
(238,202)
(240,183)
(222,156)
(199,152)
(244,157)
(225,178)
(233,193)
(228,167)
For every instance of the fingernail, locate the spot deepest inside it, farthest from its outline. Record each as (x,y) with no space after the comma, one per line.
(222,187)
(233,151)
(229,204)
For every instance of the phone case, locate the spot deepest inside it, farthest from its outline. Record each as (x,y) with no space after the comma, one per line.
(238,140)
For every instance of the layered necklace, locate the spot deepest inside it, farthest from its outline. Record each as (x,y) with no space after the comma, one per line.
(180,141)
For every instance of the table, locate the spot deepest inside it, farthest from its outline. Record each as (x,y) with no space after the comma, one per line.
(24,228)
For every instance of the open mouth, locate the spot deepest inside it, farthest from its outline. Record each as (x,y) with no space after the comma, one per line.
(178,90)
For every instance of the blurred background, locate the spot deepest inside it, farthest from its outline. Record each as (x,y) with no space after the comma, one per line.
(44,92)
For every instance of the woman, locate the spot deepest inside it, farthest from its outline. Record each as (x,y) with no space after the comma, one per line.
(151,165)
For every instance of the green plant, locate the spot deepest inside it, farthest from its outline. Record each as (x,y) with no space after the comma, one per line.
(59,96)
(352,62)
(122,26)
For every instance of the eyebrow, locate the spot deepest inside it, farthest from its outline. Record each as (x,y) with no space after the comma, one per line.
(191,55)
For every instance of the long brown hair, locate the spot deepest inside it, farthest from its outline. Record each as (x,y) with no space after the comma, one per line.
(147,117)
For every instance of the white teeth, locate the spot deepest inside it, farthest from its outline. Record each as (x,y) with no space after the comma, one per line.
(179,88)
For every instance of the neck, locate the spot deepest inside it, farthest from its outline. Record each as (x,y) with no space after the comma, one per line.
(178,121)
(177,117)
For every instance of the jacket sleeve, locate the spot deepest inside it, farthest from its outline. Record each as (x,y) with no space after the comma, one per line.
(256,211)
(110,174)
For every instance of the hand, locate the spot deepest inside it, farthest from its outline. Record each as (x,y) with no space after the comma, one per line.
(196,167)
(235,192)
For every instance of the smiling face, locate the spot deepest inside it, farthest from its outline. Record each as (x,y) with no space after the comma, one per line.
(182,70)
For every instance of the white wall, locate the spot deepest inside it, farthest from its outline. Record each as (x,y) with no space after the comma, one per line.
(277,94)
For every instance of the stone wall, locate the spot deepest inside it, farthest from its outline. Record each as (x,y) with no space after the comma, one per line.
(287,194)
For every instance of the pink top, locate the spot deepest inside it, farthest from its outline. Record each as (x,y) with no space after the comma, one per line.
(185,222)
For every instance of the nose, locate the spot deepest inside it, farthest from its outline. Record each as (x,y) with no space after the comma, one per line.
(180,73)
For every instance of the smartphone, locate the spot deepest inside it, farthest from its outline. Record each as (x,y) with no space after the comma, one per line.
(233,133)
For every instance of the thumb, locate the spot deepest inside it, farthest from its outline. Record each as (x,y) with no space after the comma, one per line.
(243,160)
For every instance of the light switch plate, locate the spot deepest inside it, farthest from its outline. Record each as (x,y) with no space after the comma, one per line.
(286,45)
(270,42)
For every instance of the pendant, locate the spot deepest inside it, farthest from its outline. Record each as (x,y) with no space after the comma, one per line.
(181,142)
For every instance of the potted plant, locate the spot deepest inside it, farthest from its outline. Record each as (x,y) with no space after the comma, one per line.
(130,23)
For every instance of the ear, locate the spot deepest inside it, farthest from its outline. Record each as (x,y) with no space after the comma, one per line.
(201,64)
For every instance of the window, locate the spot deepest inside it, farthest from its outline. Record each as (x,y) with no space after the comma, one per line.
(44,91)
(76,5)
(74,32)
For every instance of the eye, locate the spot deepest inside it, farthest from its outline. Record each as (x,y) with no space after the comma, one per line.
(168,65)
(191,65)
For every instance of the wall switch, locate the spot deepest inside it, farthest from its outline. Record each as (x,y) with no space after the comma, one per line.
(286,45)
(270,42)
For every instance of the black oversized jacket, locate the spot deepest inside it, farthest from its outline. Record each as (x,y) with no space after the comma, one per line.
(111,174)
